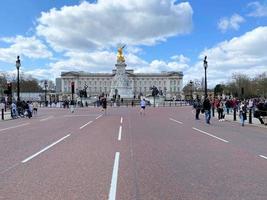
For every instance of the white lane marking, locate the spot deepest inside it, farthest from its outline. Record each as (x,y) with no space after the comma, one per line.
(6,170)
(86,124)
(176,121)
(113,185)
(4,129)
(121,120)
(44,149)
(263,157)
(93,115)
(46,118)
(119,137)
(210,135)
(98,116)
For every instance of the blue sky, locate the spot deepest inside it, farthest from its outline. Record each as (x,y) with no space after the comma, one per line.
(161,35)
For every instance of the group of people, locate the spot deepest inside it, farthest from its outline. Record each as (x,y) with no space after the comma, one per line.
(103,103)
(219,104)
(23,109)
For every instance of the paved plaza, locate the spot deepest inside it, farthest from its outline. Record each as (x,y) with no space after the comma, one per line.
(162,155)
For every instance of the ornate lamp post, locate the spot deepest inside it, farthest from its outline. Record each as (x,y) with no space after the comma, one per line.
(191,90)
(18,87)
(205,64)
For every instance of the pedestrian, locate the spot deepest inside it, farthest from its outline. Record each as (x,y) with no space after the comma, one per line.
(35,108)
(14,110)
(206,108)
(104,105)
(72,106)
(197,106)
(29,109)
(243,113)
(220,110)
(143,106)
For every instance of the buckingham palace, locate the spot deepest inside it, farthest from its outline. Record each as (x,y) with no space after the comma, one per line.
(121,81)
(170,83)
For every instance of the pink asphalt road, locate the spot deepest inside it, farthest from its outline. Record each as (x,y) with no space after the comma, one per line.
(163,155)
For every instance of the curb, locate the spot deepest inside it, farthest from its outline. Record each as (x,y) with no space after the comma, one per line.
(247,124)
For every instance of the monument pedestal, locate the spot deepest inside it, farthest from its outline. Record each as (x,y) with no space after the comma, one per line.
(120,84)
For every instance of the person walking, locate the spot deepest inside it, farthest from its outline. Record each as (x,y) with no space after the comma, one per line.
(143,107)
(104,105)
(72,106)
(220,110)
(206,108)
(35,108)
(29,109)
(14,111)
(243,113)
(197,106)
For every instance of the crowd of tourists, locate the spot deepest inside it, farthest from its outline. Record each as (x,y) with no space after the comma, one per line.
(23,109)
(258,107)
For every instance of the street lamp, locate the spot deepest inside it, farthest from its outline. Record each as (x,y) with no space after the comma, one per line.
(18,87)
(205,63)
(45,84)
(191,90)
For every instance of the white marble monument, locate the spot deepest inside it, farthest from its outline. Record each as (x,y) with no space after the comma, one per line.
(120,83)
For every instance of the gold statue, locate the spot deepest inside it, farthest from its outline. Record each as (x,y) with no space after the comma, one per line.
(120,57)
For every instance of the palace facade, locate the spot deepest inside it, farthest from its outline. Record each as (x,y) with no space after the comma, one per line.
(170,83)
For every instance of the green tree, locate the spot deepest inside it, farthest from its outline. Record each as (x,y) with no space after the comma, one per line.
(218,90)
(27,84)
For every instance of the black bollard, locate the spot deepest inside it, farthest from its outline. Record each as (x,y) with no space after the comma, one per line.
(2,114)
(234,114)
(250,116)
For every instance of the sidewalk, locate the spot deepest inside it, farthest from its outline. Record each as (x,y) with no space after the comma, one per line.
(230,117)
(7,116)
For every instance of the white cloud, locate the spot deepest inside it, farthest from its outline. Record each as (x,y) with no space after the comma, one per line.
(245,54)
(230,23)
(97,61)
(180,58)
(104,61)
(40,73)
(109,22)
(29,47)
(258,9)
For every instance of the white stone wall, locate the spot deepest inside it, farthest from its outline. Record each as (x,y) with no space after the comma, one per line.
(98,85)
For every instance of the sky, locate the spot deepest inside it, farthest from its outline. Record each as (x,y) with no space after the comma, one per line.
(52,36)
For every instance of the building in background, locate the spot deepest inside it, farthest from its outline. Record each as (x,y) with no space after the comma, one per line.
(121,82)
(170,83)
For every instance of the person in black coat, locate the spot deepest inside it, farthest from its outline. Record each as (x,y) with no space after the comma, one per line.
(104,104)
(206,108)
(197,106)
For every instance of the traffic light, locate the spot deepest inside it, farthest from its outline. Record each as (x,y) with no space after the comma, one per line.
(72,87)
